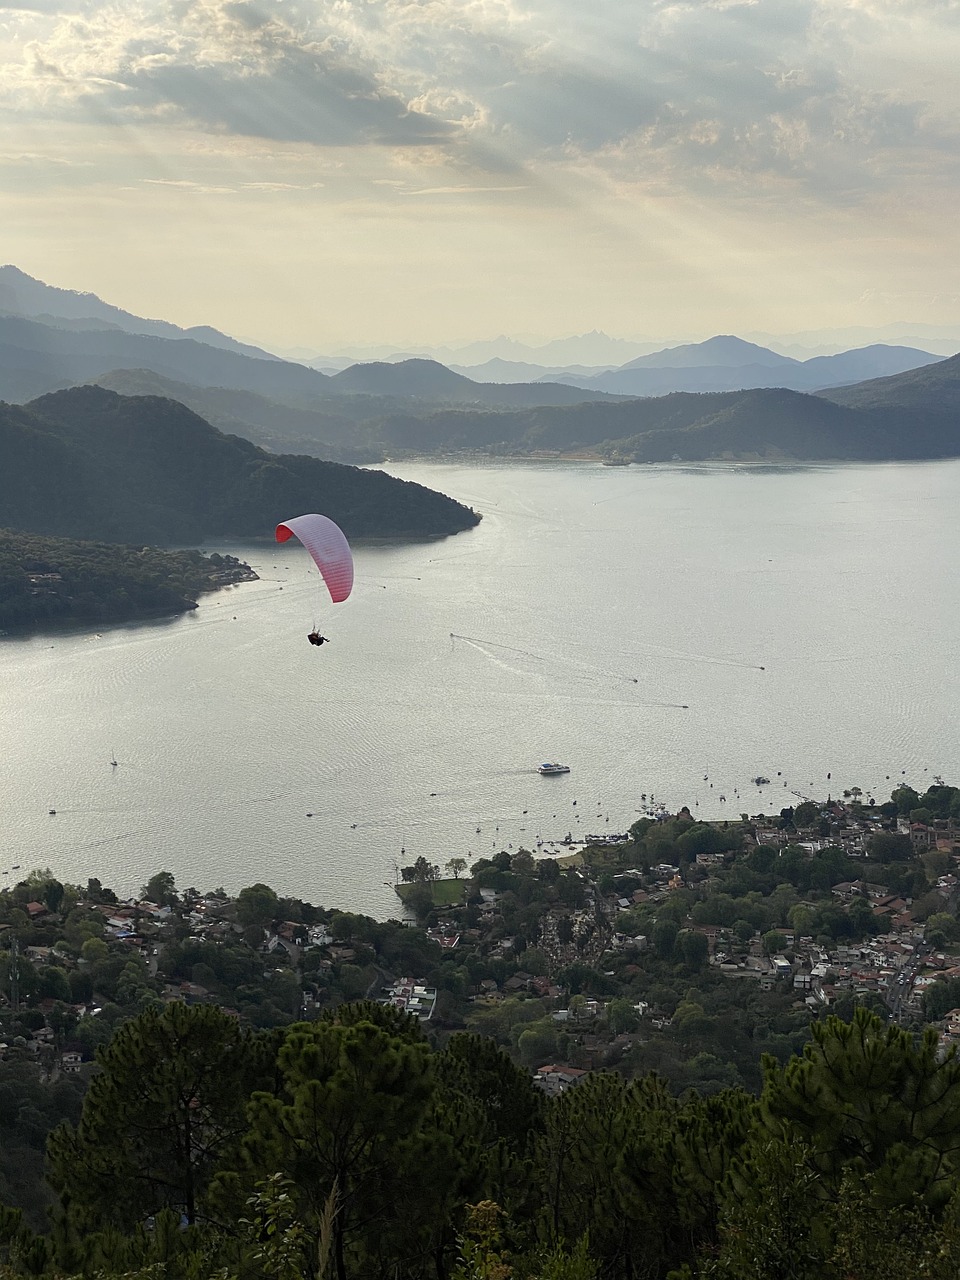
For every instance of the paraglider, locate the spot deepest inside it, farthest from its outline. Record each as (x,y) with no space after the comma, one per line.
(331,554)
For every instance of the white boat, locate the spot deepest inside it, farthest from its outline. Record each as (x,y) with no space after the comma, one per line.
(553,768)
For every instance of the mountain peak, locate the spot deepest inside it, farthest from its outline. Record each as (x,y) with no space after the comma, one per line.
(722,350)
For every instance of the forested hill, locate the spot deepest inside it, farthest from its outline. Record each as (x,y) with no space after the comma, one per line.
(88,463)
(769,423)
(933,391)
(55,581)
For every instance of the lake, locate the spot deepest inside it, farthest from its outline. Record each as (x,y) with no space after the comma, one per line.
(671,633)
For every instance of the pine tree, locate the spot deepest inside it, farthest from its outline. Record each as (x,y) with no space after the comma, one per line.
(165,1108)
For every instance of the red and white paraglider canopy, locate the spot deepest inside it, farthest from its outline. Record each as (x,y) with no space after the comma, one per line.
(329,548)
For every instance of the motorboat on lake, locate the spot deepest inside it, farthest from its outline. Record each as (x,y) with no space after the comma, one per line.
(548,769)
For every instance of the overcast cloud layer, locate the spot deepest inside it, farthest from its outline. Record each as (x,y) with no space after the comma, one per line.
(430,170)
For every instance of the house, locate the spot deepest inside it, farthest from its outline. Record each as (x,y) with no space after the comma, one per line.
(554,1079)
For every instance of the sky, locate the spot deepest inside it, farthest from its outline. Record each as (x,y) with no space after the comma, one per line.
(315,175)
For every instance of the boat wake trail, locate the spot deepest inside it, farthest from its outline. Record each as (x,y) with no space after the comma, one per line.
(678,655)
(585,671)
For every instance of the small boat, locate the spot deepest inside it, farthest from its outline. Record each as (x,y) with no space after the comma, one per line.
(548,769)
(760,780)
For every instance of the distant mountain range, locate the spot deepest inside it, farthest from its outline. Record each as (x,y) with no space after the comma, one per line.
(88,463)
(722,398)
(42,350)
(722,363)
(728,363)
(595,351)
(39,356)
(21,295)
(758,424)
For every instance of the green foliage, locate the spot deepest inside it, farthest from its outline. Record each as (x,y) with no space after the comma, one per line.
(354,1109)
(29,1108)
(167,1102)
(885,846)
(256,906)
(940,998)
(510,1107)
(865,1096)
(89,463)
(49,580)
(279,1244)
(664,938)
(349,1146)
(161,888)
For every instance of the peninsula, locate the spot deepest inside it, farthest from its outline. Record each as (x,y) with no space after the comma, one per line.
(55,582)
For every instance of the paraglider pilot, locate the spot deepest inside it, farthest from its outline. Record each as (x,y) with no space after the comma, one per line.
(329,551)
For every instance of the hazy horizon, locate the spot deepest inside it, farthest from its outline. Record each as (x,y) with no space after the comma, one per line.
(315,175)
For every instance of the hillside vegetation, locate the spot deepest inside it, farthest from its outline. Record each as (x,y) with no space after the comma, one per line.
(47,581)
(763,423)
(931,391)
(280,427)
(88,463)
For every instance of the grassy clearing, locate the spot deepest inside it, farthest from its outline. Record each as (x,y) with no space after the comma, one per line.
(446,893)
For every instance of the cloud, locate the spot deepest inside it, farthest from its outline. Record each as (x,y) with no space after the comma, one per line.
(198,188)
(461,190)
(836,97)
(227,66)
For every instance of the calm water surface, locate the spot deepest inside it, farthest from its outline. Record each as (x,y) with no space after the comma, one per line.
(667,632)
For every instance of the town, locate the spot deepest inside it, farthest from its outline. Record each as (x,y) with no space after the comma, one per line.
(694,958)
(689,946)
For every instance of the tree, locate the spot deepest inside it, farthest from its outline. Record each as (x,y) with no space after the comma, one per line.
(905,798)
(744,930)
(538,1043)
(694,948)
(94,950)
(800,918)
(166,1105)
(523,863)
(946,923)
(510,1107)
(355,1111)
(806,813)
(53,984)
(885,846)
(664,938)
(53,895)
(547,871)
(865,1095)
(257,906)
(622,1016)
(773,941)
(161,889)
(97,893)
(456,867)
(768,1204)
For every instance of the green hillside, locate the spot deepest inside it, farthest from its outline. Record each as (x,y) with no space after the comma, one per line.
(321,432)
(88,463)
(764,423)
(933,390)
(46,581)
